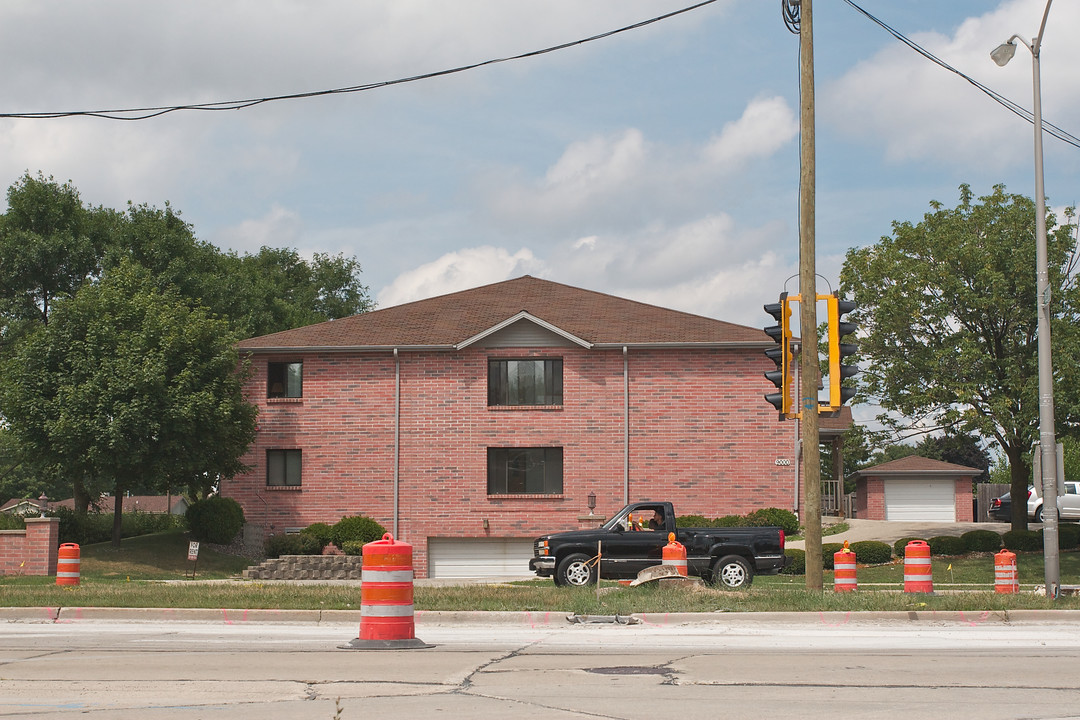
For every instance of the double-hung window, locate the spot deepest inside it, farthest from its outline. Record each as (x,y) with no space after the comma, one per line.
(285,380)
(525,382)
(525,471)
(283,468)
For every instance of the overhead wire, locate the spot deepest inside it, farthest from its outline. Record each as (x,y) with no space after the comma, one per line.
(1015,108)
(146,113)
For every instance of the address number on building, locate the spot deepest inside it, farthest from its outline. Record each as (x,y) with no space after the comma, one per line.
(783,462)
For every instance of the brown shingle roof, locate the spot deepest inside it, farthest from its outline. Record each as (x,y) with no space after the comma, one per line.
(915,465)
(450,320)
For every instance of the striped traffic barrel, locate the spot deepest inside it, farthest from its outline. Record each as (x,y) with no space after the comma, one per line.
(386,597)
(675,554)
(844,570)
(918,574)
(67,564)
(1006,576)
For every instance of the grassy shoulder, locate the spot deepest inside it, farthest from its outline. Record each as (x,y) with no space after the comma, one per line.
(153,571)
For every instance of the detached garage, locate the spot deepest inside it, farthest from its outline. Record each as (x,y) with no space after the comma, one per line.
(915,489)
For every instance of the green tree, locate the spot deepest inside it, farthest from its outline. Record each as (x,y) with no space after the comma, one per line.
(49,245)
(957,448)
(946,309)
(126,384)
(281,290)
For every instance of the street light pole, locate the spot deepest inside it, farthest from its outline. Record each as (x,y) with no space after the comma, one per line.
(1047,440)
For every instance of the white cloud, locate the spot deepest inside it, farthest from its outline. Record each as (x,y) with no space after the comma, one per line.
(279,228)
(915,110)
(202,50)
(765,126)
(623,180)
(459,270)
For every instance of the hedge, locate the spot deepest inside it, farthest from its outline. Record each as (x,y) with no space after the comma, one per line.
(292,544)
(1022,540)
(899,545)
(774,517)
(948,545)
(796,562)
(982,541)
(872,552)
(356,528)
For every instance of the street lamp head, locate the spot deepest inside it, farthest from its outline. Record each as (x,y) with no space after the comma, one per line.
(1003,53)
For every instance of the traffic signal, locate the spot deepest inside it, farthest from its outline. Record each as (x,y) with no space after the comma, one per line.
(781,355)
(838,372)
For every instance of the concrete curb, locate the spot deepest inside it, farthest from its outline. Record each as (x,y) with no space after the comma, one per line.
(46,615)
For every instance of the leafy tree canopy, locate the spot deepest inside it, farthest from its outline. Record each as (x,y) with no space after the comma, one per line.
(128,382)
(946,309)
(53,248)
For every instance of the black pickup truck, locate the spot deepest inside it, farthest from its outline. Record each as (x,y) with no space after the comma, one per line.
(635,537)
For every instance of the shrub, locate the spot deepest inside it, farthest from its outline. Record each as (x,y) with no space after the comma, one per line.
(899,545)
(693,521)
(774,517)
(215,520)
(11,522)
(1022,540)
(872,552)
(981,541)
(321,532)
(730,521)
(357,527)
(827,552)
(796,562)
(353,547)
(947,545)
(292,544)
(1068,536)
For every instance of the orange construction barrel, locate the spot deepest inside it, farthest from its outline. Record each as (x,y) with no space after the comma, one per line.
(386,597)
(1006,576)
(844,570)
(675,554)
(67,564)
(918,575)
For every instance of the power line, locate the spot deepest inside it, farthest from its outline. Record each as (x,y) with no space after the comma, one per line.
(145,113)
(1013,107)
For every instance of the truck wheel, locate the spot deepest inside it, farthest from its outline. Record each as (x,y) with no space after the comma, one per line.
(1038,514)
(732,571)
(575,570)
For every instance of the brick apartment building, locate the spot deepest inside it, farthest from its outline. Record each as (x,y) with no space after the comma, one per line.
(469,423)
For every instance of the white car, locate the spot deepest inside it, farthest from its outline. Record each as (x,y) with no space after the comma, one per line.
(1068,504)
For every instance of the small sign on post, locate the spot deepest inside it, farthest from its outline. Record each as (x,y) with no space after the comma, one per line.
(193,556)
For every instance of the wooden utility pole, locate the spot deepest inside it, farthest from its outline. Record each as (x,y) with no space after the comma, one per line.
(810,370)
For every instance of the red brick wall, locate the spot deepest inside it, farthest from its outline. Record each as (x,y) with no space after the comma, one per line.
(701,436)
(32,551)
(870,497)
(965,511)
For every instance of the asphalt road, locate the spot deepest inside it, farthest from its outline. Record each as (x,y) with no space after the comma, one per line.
(524,666)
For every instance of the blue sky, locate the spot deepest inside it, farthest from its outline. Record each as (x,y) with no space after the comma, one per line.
(660,164)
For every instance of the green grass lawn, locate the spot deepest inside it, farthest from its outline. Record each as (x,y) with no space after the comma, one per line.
(153,571)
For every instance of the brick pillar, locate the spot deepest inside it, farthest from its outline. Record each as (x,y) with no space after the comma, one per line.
(42,545)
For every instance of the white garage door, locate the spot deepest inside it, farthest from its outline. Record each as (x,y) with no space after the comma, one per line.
(920,499)
(479,557)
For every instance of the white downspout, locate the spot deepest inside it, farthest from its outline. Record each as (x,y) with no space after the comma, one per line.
(397,441)
(626,426)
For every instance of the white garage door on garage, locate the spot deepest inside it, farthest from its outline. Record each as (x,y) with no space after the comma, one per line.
(920,499)
(479,557)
